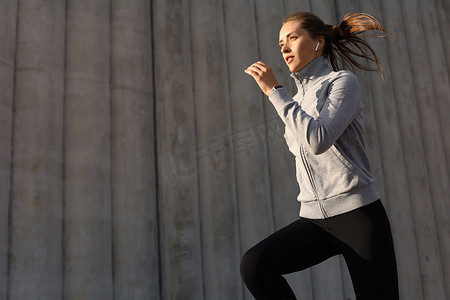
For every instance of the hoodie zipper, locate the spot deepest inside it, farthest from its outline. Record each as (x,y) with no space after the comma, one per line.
(305,162)
(301,83)
(311,181)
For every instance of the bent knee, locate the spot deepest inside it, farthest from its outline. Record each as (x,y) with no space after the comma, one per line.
(251,263)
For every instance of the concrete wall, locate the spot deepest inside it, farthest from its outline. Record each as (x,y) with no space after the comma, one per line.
(138,161)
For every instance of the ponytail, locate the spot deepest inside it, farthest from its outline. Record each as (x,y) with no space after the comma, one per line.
(343,42)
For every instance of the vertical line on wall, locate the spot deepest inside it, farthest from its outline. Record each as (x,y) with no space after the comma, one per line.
(111,147)
(243,287)
(442,29)
(155,149)
(232,146)
(63,206)
(429,54)
(199,206)
(11,179)
(336,13)
(231,120)
(269,170)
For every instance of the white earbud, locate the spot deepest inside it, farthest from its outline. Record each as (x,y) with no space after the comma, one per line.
(317,46)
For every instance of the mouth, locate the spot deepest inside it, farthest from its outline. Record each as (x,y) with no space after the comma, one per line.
(289,59)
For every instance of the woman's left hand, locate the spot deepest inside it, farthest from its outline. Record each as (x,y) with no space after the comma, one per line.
(263,75)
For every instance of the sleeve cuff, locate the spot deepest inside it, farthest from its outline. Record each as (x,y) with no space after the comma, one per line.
(279,98)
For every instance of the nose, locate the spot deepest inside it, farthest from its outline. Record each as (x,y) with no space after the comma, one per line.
(285,49)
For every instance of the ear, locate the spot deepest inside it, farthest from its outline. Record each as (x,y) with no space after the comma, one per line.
(320,42)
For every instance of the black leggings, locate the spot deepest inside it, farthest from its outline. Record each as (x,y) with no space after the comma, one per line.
(362,236)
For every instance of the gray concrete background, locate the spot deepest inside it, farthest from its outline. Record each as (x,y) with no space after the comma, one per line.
(138,161)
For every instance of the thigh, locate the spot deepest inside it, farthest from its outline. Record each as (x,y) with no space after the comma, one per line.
(366,231)
(364,238)
(295,247)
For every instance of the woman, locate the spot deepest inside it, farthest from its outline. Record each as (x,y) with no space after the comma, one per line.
(341,212)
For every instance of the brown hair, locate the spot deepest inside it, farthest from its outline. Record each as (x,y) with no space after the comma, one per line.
(342,42)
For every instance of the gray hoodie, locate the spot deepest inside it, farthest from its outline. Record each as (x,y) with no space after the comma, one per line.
(324,131)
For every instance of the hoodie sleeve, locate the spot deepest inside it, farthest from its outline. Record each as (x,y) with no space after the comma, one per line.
(342,104)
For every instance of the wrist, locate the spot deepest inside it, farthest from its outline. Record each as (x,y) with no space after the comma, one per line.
(274,88)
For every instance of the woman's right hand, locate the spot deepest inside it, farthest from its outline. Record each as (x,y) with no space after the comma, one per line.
(263,75)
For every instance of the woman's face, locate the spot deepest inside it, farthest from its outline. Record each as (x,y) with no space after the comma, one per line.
(297,47)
